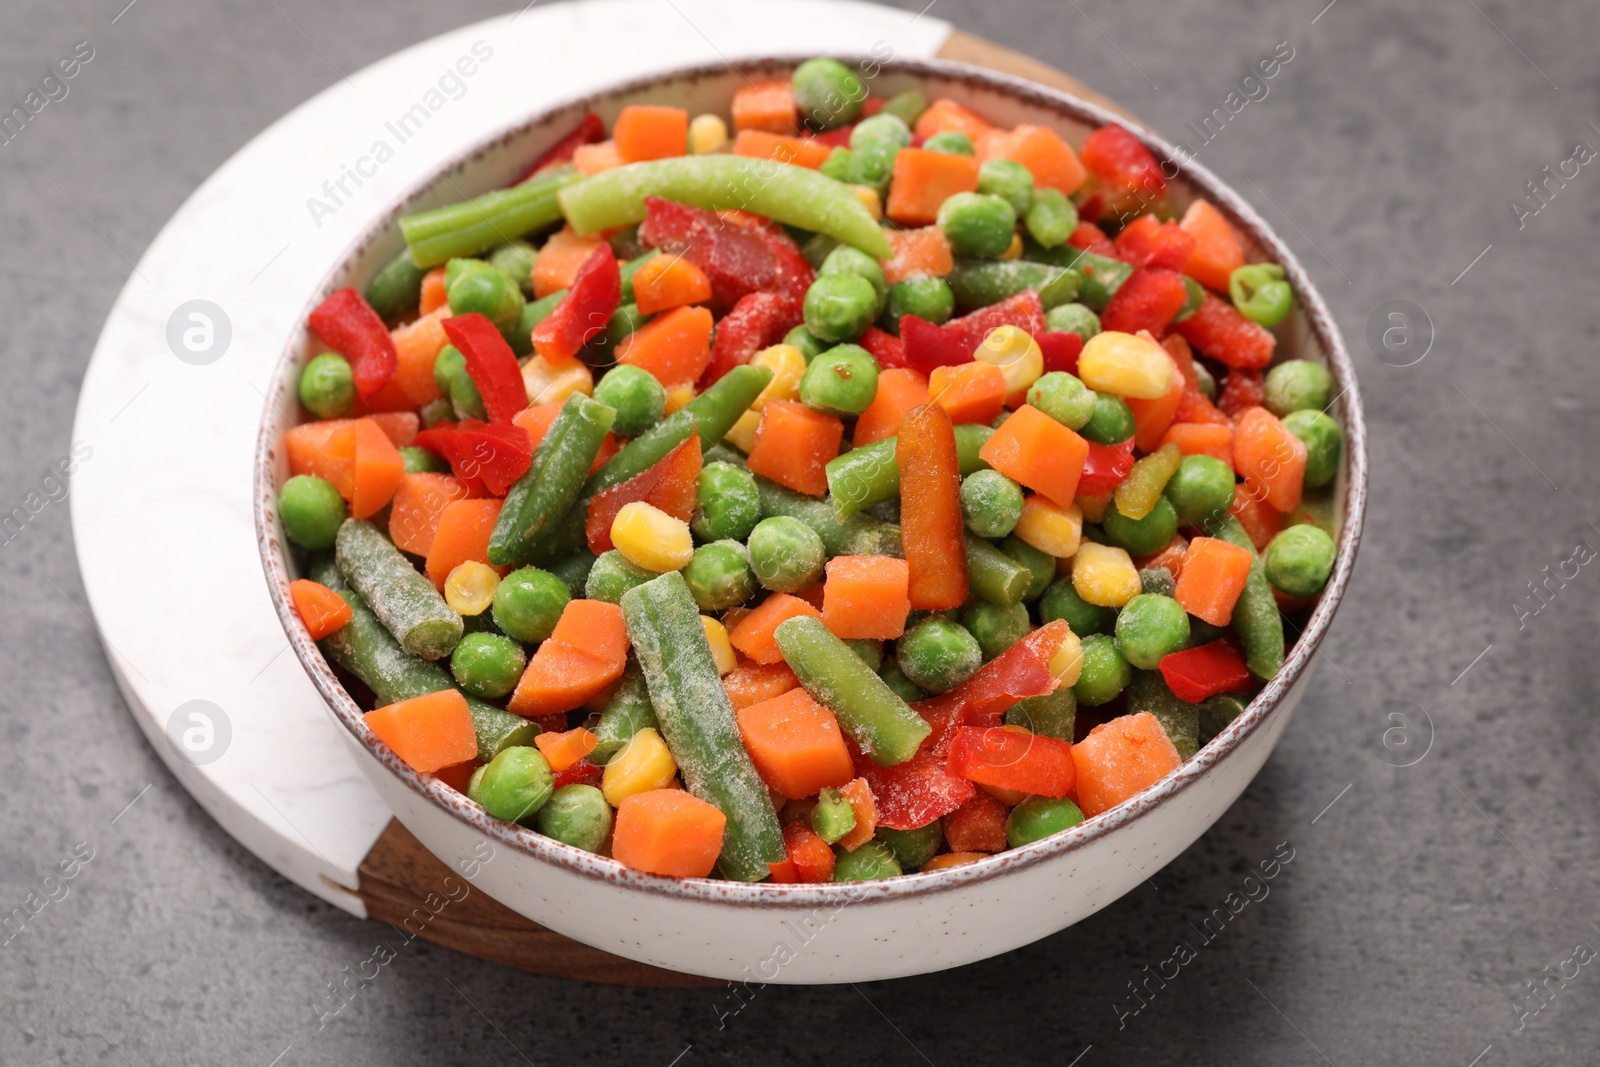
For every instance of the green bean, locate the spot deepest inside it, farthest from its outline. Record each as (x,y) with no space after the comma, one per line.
(698,725)
(612,575)
(978,283)
(1102,275)
(403,600)
(995,576)
(1255,614)
(365,648)
(627,712)
(1042,565)
(834,816)
(1052,715)
(1181,720)
(396,288)
(516,258)
(573,570)
(550,488)
(1216,714)
(479,224)
(883,725)
(865,476)
(858,535)
(913,848)
(794,196)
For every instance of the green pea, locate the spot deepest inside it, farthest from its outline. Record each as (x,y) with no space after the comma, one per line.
(1150,627)
(996,628)
(1202,486)
(1052,715)
(612,575)
(991,503)
(1297,384)
(446,365)
(827,93)
(937,654)
(1142,537)
(487,665)
(638,397)
(437,411)
(1260,293)
(1299,560)
(1061,601)
(874,143)
(838,165)
(327,386)
(489,292)
(1072,318)
(1157,580)
(834,816)
(419,460)
(913,848)
(838,307)
(1324,443)
(727,503)
(1216,714)
(867,651)
(1316,507)
(903,687)
(810,345)
(882,128)
(1105,671)
(872,860)
(577,815)
(1064,398)
(842,381)
(953,142)
(1010,181)
(1041,564)
(1112,421)
(514,785)
(527,604)
(312,511)
(847,259)
(926,298)
(1039,817)
(1191,304)
(719,576)
(906,106)
(515,259)
(977,224)
(785,554)
(1205,381)
(465,398)
(1051,217)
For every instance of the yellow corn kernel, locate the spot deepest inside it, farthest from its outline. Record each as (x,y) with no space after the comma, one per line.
(1125,364)
(1104,575)
(1067,663)
(721,647)
(1015,251)
(707,133)
(743,434)
(678,397)
(469,588)
(1050,528)
(1094,507)
(869,199)
(1017,355)
(551,385)
(787,364)
(650,538)
(639,766)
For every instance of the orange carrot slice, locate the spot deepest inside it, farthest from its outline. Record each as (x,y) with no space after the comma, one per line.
(650,131)
(752,685)
(793,446)
(899,390)
(417,505)
(919,253)
(325,449)
(1218,251)
(591,159)
(1270,458)
(1120,759)
(461,534)
(433,292)
(930,510)
(945,115)
(1214,574)
(924,180)
(667,282)
(376,472)
(761,144)
(669,832)
(1201,439)
(1050,160)
(562,750)
(670,486)
(795,744)
(969,392)
(536,420)
(865,597)
(321,609)
(865,807)
(1032,448)
(753,635)
(558,261)
(400,427)
(675,348)
(765,105)
(417,344)
(584,654)
(428,732)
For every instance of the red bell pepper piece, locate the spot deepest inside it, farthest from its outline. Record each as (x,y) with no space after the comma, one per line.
(1021,671)
(756,321)
(670,486)
(1199,673)
(583,313)
(794,275)
(884,347)
(912,794)
(736,260)
(1105,468)
(1119,159)
(1092,238)
(1009,759)
(1148,300)
(583,772)
(928,346)
(1060,350)
(482,455)
(1149,242)
(348,325)
(589,131)
(808,859)
(491,364)
(1242,389)
(930,509)
(839,138)
(1218,330)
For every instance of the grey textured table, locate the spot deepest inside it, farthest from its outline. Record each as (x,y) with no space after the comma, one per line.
(1423,903)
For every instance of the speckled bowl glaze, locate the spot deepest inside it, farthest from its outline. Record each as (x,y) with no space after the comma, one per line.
(823,933)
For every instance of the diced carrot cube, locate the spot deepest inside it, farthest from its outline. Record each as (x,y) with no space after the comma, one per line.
(795,743)
(668,832)
(753,636)
(675,347)
(1032,448)
(945,116)
(417,345)
(793,446)
(899,390)
(461,534)
(427,732)
(753,684)
(1214,573)
(924,180)
(969,392)
(1050,160)
(590,159)
(1120,759)
(765,105)
(920,253)
(417,505)
(761,144)
(649,131)
(321,609)
(559,260)
(866,597)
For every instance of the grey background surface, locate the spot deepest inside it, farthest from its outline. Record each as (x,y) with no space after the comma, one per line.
(1417,908)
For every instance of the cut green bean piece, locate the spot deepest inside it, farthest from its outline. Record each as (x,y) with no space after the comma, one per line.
(698,724)
(913,848)
(404,600)
(1181,720)
(396,288)
(882,724)
(574,570)
(1217,713)
(978,283)
(995,576)
(1052,715)
(1255,615)
(547,492)
(627,712)
(1102,276)
(482,223)
(859,535)
(794,196)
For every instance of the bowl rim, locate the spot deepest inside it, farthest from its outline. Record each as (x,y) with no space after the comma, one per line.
(804,896)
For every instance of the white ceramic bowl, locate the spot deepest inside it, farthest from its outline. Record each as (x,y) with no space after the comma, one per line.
(824,933)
